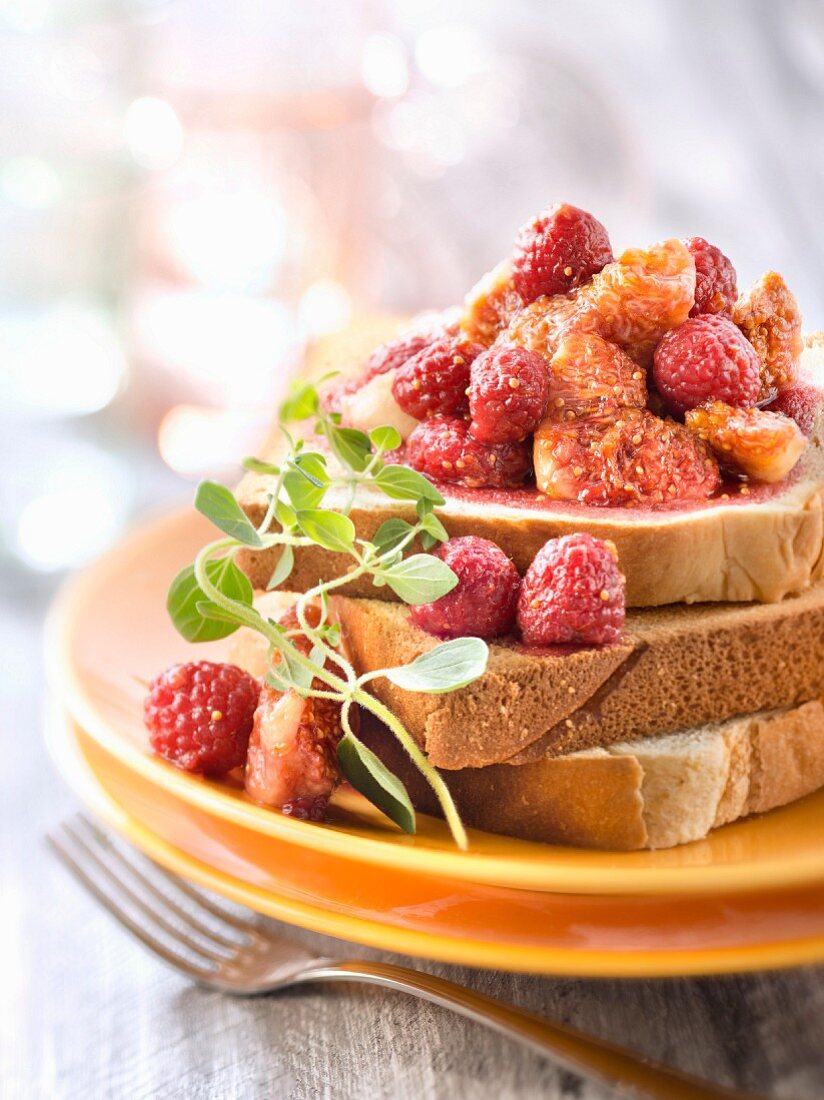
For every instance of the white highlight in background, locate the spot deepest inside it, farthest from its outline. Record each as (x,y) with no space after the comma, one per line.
(154,133)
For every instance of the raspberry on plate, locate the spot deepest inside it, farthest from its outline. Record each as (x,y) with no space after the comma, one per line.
(436,379)
(715,278)
(507,394)
(573,593)
(199,716)
(769,317)
(624,460)
(706,359)
(763,445)
(292,759)
(588,376)
(485,599)
(557,251)
(443,449)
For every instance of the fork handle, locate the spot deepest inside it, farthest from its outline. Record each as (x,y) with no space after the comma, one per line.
(629,1074)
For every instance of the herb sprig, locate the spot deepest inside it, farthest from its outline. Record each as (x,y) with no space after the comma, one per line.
(212,598)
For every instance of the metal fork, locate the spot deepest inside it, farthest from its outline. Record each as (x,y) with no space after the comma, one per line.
(220,950)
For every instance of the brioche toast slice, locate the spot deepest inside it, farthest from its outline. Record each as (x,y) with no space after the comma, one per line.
(761,546)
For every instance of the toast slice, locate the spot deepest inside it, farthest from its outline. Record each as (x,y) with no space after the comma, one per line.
(654,793)
(762,547)
(678,667)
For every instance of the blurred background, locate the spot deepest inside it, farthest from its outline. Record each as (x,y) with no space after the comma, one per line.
(190,190)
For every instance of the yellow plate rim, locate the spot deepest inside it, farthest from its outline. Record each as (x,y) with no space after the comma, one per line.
(463,951)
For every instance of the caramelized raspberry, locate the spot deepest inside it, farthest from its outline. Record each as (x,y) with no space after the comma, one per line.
(507,394)
(443,449)
(763,445)
(644,294)
(483,602)
(557,251)
(292,760)
(543,325)
(769,317)
(436,379)
(490,305)
(706,359)
(637,458)
(715,279)
(589,376)
(573,593)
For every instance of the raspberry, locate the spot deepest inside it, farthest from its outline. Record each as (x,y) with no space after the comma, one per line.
(199,716)
(484,601)
(507,394)
(588,376)
(763,445)
(292,759)
(557,251)
(636,458)
(715,279)
(394,354)
(490,305)
(644,294)
(436,379)
(706,359)
(442,448)
(573,593)
(769,317)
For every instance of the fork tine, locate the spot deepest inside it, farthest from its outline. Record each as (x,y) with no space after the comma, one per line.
(247,927)
(148,910)
(184,915)
(177,962)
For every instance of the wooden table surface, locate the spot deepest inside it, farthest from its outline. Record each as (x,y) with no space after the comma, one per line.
(85,1013)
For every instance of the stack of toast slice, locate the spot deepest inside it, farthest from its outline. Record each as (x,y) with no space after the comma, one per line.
(710,708)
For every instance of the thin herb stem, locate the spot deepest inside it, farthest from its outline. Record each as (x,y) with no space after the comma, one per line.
(429,773)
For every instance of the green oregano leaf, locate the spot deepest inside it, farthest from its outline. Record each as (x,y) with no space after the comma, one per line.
(257,466)
(351,446)
(385,438)
(433,526)
(301,403)
(328,529)
(448,666)
(186,601)
(401,483)
(217,504)
(285,515)
(369,775)
(282,570)
(420,578)
(390,534)
(306,483)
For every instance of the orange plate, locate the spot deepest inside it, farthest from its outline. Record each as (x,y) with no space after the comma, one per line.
(109,633)
(414,914)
